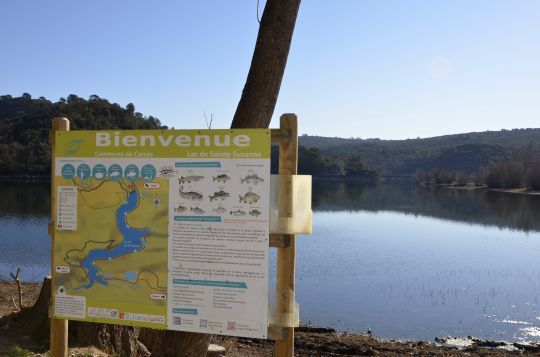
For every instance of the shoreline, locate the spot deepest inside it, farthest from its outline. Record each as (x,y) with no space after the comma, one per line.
(515,191)
(337,178)
(309,340)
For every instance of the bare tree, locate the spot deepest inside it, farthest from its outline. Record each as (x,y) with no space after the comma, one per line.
(461,178)
(532,178)
(421,176)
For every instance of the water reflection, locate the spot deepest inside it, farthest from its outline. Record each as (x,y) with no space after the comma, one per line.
(25,200)
(392,257)
(488,208)
(406,276)
(24,215)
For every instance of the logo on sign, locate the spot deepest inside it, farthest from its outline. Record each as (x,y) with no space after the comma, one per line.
(73,146)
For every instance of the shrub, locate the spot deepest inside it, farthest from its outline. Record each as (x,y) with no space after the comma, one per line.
(505,174)
(532,178)
(17,351)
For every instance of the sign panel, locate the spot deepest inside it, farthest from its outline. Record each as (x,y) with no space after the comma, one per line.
(163,229)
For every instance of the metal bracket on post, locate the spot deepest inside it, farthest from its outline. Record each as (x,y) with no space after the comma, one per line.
(279,240)
(280,135)
(277,333)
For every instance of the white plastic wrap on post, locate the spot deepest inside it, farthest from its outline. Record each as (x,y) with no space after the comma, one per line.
(301,220)
(284,319)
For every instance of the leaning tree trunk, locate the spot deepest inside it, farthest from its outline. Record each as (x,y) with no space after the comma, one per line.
(262,86)
(254,110)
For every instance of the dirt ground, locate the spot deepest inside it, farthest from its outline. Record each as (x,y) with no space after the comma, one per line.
(309,341)
(351,344)
(9,296)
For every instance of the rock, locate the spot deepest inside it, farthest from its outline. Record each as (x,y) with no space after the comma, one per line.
(215,350)
(488,343)
(313,329)
(532,348)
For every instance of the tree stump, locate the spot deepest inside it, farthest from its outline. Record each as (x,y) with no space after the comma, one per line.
(114,339)
(164,343)
(34,322)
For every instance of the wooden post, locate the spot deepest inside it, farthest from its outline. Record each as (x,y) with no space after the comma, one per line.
(288,163)
(59,327)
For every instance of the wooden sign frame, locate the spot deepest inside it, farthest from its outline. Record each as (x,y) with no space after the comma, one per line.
(287,137)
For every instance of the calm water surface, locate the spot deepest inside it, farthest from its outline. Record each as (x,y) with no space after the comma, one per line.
(24,215)
(404,261)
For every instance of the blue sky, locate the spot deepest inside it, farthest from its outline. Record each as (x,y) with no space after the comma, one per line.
(358,68)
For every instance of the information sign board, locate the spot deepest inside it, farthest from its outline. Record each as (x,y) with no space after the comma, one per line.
(163,229)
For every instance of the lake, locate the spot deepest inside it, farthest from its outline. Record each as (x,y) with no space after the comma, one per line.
(401,260)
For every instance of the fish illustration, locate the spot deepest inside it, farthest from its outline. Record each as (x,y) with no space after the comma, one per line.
(220,210)
(180,209)
(252,179)
(189,179)
(191,195)
(250,198)
(99,175)
(196,210)
(115,174)
(221,178)
(219,195)
(131,174)
(255,213)
(167,171)
(238,213)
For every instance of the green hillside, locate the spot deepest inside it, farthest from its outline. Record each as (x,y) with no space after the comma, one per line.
(25,124)
(460,152)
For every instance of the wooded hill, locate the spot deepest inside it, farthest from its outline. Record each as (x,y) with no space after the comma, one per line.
(25,150)
(460,152)
(25,124)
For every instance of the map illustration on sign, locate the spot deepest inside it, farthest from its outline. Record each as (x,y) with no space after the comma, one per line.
(163,229)
(113,257)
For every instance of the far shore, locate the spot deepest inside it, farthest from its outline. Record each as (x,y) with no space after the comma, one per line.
(519,191)
(341,178)
(25,178)
(336,178)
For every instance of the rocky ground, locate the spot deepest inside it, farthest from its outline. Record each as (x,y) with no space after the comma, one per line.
(309,341)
